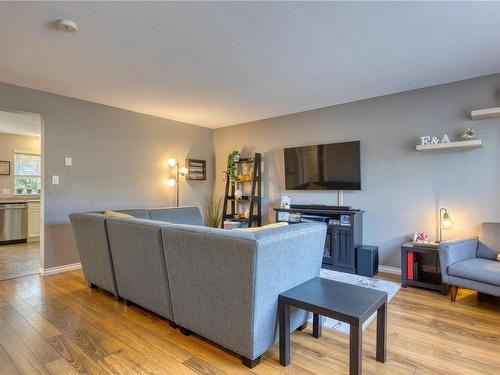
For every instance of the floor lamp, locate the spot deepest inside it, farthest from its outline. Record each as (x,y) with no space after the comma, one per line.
(179,171)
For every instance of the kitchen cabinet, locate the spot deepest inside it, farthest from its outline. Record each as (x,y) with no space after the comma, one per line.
(33,221)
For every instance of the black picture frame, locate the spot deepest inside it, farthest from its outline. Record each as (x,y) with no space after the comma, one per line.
(4,168)
(197,169)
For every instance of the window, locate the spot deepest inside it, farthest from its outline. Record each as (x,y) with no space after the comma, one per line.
(27,171)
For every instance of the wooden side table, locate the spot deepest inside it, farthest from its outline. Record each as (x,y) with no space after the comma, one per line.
(430,274)
(345,302)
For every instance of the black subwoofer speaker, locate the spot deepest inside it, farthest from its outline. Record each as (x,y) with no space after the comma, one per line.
(367,260)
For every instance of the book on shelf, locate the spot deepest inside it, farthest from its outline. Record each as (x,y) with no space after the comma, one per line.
(416,270)
(410,257)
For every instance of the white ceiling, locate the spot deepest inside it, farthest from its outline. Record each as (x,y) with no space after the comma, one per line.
(218,64)
(21,123)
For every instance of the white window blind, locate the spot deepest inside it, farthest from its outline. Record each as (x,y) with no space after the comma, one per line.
(27,172)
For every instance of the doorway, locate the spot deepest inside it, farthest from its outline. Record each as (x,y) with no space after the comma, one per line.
(20,193)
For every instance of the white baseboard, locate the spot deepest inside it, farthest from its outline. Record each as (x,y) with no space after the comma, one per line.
(59,269)
(388,269)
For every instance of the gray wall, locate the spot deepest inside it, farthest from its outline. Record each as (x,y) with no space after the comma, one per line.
(119,161)
(402,189)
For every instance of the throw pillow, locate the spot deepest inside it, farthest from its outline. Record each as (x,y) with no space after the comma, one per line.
(116,214)
(264,227)
(498,257)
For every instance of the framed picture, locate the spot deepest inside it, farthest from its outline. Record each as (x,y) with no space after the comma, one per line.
(197,169)
(4,167)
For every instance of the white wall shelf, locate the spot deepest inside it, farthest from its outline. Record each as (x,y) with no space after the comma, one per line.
(452,145)
(485,113)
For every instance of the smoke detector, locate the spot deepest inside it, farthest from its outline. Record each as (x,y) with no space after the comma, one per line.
(66,25)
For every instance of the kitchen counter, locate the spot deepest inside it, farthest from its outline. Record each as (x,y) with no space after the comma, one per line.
(19,198)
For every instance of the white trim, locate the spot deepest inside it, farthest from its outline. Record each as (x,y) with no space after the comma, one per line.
(389,269)
(60,269)
(26,152)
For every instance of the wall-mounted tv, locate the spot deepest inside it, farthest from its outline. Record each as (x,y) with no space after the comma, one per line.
(334,166)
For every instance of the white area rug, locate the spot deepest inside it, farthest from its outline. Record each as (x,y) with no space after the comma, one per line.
(369,282)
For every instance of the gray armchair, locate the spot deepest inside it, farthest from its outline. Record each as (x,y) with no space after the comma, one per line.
(472,263)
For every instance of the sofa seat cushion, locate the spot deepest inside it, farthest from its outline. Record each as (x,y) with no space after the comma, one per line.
(477,269)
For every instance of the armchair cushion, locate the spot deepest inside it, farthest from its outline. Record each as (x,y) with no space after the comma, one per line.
(489,245)
(477,269)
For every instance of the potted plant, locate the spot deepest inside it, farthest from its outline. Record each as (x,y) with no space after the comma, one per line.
(213,211)
(232,167)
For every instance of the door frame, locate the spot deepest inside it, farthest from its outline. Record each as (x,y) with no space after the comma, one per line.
(42,178)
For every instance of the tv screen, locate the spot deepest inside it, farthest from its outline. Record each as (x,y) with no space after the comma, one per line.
(334,166)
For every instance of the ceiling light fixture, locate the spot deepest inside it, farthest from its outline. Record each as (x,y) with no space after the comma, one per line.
(67,25)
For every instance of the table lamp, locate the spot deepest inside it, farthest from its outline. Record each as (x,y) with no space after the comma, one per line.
(444,222)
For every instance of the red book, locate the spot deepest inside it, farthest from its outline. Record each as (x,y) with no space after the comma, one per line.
(409,265)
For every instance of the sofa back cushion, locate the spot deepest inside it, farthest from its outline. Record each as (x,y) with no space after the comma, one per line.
(91,240)
(139,260)
(489,241)
(177,215)
(211,279)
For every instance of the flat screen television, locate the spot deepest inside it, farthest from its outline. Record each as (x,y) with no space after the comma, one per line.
(334,166)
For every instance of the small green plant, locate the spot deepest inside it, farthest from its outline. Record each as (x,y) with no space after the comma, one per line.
(213,211)
(232,167)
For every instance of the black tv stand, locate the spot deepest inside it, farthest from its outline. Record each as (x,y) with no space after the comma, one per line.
(342,239)
(320,207)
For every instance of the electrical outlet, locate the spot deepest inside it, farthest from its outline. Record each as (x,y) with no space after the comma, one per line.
(55,180)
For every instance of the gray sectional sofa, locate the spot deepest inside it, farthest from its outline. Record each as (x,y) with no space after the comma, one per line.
(472,263)
(220,284)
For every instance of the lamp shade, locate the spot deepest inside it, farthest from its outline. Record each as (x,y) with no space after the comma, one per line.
(446,221)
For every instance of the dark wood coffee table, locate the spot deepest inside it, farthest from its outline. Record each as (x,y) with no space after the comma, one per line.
(345,302)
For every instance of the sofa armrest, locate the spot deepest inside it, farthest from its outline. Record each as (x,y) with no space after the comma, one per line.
(454,251)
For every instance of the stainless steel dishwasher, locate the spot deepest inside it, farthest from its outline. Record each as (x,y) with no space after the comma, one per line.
(13,222)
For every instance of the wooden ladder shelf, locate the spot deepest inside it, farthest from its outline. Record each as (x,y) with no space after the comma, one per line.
(254,200)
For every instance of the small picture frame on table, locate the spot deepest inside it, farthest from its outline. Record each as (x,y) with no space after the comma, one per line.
(4,168)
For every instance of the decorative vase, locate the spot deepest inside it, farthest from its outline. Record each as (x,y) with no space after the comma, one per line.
(238,194)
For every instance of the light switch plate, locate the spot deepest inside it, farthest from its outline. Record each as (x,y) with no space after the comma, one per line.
(68,162)
(55,180)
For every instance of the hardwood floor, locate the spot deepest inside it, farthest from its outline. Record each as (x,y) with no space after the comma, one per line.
(19,260)
(56,325)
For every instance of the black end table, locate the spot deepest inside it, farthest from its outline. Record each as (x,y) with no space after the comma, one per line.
(430,276)
(345,302)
